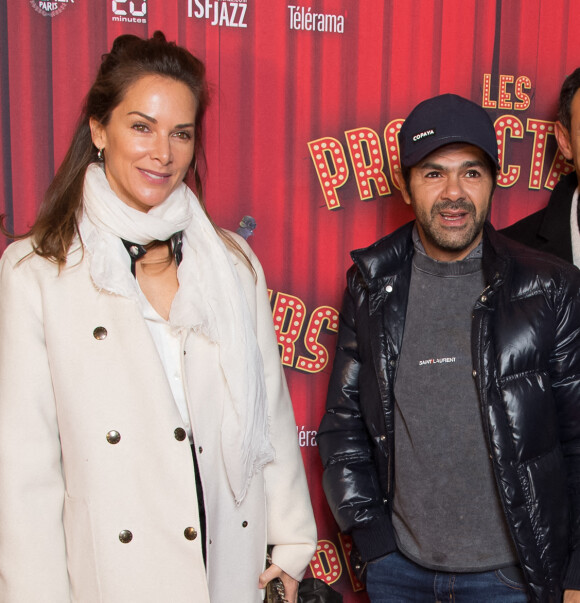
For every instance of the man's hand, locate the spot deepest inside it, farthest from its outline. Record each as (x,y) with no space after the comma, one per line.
(290,585)
(572,596)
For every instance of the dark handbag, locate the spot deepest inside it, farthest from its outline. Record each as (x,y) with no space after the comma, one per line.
(310,590)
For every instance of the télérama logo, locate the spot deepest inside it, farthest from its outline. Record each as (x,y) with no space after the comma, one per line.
(50,9)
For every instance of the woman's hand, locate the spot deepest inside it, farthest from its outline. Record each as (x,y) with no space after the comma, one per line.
(290,585)
(572,596)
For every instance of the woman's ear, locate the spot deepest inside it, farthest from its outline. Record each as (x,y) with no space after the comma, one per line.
(98,134)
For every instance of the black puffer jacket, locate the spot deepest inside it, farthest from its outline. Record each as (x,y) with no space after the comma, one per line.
(526,362)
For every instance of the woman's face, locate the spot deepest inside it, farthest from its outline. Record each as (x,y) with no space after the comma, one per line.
(148,143)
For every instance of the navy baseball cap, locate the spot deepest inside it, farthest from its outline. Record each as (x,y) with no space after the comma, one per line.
(444,120)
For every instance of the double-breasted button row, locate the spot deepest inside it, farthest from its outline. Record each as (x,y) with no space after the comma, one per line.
(114,437)
(125,536)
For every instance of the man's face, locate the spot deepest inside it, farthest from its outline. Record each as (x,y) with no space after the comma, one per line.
(569,142)
(450,192)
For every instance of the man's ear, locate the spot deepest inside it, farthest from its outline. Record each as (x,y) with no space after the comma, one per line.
(98,134)
(400,181)
(563,140)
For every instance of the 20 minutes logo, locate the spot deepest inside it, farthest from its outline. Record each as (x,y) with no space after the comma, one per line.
(129,11)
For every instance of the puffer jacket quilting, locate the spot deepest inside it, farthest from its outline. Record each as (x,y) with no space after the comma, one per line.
(526,362)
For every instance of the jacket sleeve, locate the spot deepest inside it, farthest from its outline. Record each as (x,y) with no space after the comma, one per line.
(32,545)
(290,519)
(350,477)
(565,374)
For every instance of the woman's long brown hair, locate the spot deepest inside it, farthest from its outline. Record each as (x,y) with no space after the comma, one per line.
(130,59)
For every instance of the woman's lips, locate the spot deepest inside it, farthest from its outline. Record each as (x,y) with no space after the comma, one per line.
(155,176)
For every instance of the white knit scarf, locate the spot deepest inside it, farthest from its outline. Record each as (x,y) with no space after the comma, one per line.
(210,299)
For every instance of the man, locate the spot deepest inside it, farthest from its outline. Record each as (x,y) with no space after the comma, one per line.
(555,228)
(451,439)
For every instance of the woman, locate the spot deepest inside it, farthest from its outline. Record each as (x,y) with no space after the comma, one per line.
(133,331)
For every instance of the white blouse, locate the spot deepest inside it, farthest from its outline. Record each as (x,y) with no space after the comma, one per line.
(168,344)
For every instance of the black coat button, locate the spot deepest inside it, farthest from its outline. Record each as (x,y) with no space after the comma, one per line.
(190,533)
(180,434)
(100,333)
(125,536)
(113,437)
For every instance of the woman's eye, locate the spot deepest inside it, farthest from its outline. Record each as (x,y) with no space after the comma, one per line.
(140,127)
(183,135)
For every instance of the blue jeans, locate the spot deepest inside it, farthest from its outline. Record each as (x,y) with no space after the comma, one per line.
(395,579)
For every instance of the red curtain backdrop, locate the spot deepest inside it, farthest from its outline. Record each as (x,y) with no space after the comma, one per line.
(307,95)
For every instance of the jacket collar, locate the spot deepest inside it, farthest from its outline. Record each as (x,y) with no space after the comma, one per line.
(387,256)
(496,256)
(391,254)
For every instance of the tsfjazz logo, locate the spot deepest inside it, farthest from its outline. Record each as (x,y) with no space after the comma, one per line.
(129,11)
(50,9)
(223,13)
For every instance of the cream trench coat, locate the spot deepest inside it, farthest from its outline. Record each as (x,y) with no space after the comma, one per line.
(97,488)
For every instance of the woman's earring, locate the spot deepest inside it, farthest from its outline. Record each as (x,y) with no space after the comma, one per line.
(100,154)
